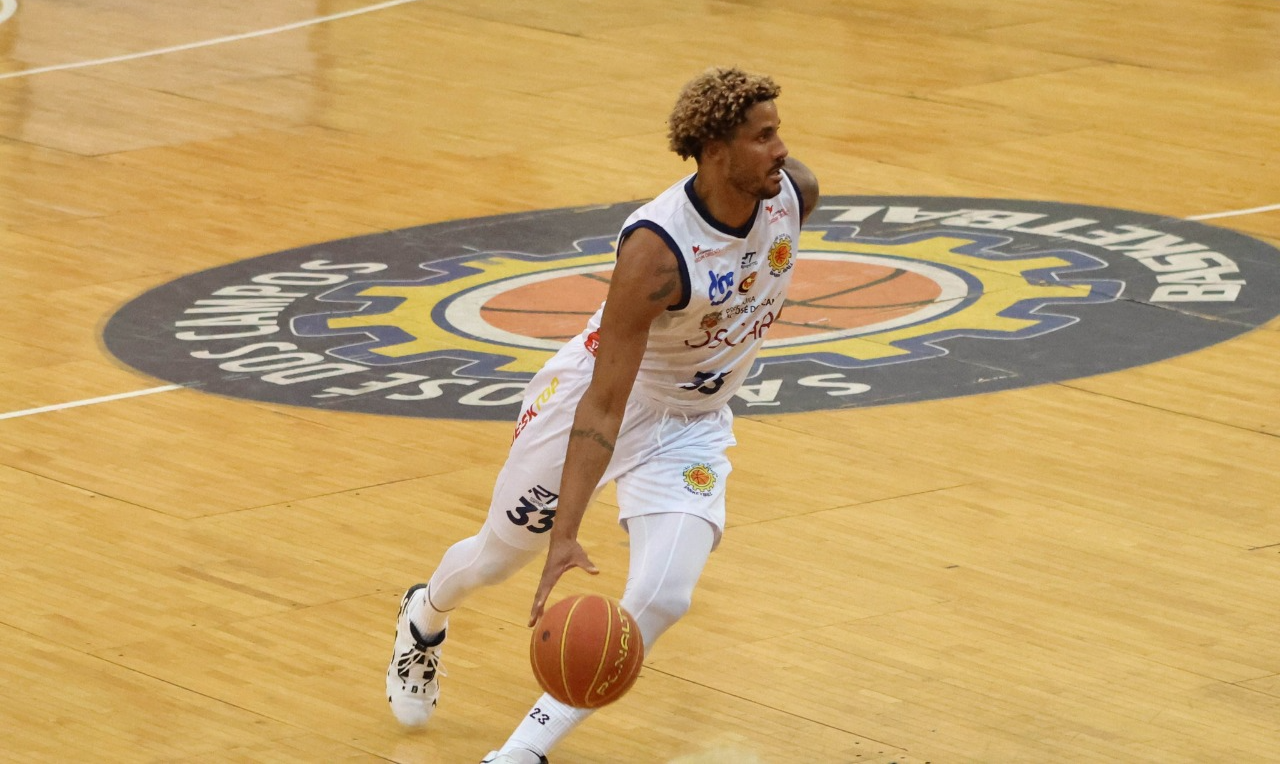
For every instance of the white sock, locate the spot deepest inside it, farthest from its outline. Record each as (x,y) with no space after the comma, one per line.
(430,621)
(546,724)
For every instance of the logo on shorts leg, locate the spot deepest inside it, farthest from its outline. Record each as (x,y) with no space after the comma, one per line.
(536,408)
(537,510)
(700,479)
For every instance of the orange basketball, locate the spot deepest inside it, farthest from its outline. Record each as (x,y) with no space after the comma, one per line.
(586,651)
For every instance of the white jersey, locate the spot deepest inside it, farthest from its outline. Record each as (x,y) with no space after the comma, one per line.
(735,281)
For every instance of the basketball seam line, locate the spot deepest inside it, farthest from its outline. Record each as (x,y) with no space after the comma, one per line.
(564,639)
(533,656)
(604,654)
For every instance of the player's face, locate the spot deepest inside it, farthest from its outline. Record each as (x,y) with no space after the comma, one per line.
(757,153)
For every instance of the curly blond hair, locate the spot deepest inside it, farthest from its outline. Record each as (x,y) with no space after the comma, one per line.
(712,105)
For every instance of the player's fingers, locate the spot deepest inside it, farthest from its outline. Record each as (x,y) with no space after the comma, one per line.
(539,603)
(548,582)
(536,613)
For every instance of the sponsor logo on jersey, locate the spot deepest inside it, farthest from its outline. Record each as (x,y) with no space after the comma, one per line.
(780,255)
(701,253)
(747,283)
(747,331)
(894,299)
(744,306)
(700,479)
(720,287)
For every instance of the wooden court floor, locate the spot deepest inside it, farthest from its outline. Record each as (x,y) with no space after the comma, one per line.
(1086,570)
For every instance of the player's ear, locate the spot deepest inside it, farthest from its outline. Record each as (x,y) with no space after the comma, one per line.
(711,150)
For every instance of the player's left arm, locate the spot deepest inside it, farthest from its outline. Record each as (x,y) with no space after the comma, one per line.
(807,182)
(646,282)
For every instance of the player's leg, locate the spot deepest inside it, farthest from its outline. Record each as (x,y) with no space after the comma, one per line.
(499,550)
(671,490)
(668,553)
(412,678)
(662,578)
(514,533)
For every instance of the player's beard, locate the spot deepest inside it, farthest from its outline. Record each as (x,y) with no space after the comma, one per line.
(760,187)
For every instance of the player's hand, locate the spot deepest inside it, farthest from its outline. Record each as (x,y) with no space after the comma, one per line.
(562,556)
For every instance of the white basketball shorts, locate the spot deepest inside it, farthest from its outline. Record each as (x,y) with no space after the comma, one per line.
(663,460)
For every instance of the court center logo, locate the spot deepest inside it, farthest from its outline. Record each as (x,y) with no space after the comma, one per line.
(893,299)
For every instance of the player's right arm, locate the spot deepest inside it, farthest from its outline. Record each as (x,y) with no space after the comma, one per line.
(646,281)
(807,182)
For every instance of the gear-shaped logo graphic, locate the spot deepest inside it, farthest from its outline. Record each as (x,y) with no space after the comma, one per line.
(893,299)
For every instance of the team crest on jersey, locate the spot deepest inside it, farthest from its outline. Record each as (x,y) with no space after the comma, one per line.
(780,255)
(700,479)
(892,300)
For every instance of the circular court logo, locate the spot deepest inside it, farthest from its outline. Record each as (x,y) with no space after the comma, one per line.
(893,299)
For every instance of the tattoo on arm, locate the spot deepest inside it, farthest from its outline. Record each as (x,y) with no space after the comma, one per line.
(596,437)
(663,293)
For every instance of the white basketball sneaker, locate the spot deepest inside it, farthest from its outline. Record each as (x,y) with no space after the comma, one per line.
(525,757)
(412,686)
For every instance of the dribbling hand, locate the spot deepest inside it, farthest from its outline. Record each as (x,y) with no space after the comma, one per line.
(562,556)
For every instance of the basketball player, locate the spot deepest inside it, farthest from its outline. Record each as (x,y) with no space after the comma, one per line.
(640,397)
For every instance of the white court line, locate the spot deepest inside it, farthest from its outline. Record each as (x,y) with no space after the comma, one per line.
(201,44)
(89,401)
(1233,213)
(7,7)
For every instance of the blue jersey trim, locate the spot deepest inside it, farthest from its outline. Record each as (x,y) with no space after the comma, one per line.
(740,232)
(685,285)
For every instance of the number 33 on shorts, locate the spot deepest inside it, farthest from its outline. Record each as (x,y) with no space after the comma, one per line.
(537,510)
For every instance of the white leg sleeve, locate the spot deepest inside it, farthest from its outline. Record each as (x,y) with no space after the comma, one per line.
(482,560)
(668,552)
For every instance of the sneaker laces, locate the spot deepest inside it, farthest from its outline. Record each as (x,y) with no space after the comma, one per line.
(422,654)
